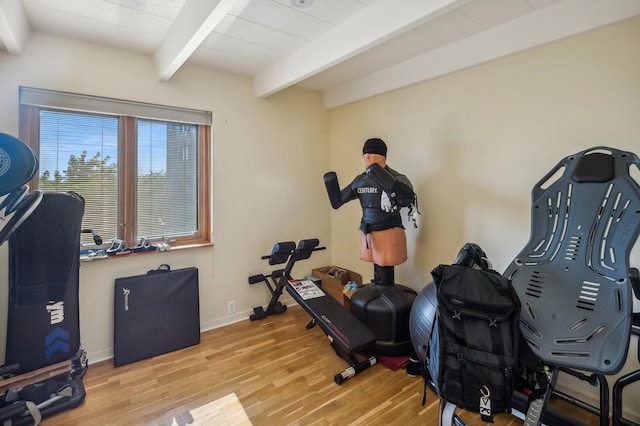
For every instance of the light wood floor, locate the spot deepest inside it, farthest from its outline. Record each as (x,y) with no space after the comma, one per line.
(269,372)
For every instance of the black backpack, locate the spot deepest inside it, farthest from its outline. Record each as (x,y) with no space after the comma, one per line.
(475,342)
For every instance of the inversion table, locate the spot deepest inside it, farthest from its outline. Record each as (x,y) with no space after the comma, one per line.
(574,280)
(573,276)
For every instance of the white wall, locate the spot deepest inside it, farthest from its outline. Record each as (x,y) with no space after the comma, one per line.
(474,144)
(268,159)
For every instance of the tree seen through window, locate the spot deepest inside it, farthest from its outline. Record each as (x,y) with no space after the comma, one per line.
(79,152)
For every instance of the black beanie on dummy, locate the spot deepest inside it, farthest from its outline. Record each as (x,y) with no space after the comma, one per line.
(375,146)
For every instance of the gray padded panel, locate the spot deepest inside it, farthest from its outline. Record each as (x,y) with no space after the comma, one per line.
(571,276)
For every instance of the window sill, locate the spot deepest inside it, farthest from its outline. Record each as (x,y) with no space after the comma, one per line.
(85,259)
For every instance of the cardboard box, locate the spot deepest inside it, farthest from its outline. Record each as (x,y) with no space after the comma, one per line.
(332,285)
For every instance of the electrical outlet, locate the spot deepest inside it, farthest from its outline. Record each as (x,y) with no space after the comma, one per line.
(231,306)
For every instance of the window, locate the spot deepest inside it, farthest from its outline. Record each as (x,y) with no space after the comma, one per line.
(142,169)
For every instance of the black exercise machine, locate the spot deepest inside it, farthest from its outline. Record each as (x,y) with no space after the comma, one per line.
(44,362)
(575,285)
(573,276)
(348,336)
(276,281)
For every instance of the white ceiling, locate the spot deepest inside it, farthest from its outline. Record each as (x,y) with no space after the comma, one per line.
(347,49)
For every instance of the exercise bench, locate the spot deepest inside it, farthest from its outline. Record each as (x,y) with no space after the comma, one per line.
(284,252)
(347,334)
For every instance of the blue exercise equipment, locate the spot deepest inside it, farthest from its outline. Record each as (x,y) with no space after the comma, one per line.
(18,165)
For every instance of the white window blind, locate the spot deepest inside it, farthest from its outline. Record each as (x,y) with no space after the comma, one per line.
(167,179)
(79,153)
(137,165)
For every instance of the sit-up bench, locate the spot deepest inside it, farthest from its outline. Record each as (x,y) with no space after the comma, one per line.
(348,336)
(281,253)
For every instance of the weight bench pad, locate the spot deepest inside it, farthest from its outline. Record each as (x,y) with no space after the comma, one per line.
(341,326)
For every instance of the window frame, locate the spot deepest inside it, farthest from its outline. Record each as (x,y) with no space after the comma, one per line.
(29,133)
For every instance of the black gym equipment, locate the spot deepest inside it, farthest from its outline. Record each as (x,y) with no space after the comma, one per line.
(573,276)
(43,336)
(348,336)
(284,252)
(44,284)
(384,307)
(97,239)
(155,313)
(574,282)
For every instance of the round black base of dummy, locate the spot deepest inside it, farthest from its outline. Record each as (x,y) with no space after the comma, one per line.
(385,309)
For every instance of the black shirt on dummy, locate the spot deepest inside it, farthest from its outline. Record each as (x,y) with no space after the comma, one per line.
(382,192)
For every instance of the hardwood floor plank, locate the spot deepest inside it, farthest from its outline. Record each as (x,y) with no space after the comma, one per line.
(268,372)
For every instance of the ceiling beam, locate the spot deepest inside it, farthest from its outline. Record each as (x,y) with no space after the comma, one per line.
(14,26)
(374,25)
(556,22)
(196,20)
